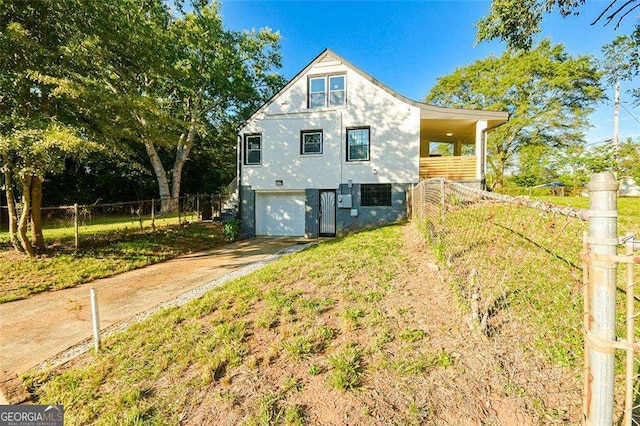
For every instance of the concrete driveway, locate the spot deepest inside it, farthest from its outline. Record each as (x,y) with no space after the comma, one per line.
(38,328)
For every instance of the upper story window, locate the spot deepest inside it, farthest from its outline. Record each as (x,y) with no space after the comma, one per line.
(252,149)
(336,90)
(310,142)
(328,90)
(358,143)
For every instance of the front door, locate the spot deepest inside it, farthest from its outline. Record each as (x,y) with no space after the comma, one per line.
(327,213)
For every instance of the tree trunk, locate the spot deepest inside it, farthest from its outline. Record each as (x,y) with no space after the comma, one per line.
(24,216)
(167,203)
(498,164)
(11,204)
(182,155)
(37,238)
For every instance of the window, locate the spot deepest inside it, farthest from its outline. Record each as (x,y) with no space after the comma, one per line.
(253,149)
(311,142)
(375,195)
(317,92)
(336,90)
(327,90)
(358,144)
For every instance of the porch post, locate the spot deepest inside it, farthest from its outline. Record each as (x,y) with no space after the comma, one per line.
(481,150)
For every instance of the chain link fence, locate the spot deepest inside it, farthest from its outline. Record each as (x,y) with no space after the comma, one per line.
(515,266)
(556,191)
(81,226)
(527,273)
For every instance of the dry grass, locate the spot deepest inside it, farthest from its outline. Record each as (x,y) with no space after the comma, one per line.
(360,330)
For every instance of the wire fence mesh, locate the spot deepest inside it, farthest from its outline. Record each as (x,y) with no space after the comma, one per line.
(516,269)
(525,272)
(81,226)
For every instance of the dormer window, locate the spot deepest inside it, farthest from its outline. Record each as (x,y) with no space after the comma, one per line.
(328,90)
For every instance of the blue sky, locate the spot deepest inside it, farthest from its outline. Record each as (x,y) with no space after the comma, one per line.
(409,44)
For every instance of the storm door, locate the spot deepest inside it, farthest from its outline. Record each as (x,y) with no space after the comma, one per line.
(327,213)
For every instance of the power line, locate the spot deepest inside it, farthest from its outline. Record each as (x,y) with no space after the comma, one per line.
(630,113)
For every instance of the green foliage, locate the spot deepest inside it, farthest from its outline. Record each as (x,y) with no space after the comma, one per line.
(516,22)
(347,368)
(82,77)
(231,229)
(621,57)
(534,166)
(412,335)
(547,93)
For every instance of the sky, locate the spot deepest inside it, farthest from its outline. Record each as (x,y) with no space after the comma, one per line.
(407,45)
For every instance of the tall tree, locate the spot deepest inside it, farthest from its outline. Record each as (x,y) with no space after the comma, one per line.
(217,76)
(56,58)
(517,21)
(35,88)
(547,92)
(169,79)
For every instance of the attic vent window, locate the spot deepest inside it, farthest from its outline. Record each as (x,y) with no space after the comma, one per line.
(328,90)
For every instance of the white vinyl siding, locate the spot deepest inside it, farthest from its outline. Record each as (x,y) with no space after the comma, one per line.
(280,214)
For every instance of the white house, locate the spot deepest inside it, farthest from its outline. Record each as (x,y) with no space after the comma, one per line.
(336,150)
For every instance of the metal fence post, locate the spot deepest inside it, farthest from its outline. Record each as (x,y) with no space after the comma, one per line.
(153,214)
(75,225)
(442,205)
(603,239)
(95,319)
(630,376)
(213,206)
(179,218)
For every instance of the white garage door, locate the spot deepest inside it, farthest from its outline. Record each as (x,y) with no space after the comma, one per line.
(280,214)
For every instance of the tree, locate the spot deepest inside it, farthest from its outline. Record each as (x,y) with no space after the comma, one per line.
(28,153)
(546,92)
(35,88)
(622,60)
(517,21)
(534,166)
(601,158)
(55,55)
(218,76)
(177,78)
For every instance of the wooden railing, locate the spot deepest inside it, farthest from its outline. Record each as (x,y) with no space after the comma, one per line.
(454,168)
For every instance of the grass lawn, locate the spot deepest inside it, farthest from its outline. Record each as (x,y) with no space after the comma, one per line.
(628,211)
(110,253)
(61,233)
(358,330)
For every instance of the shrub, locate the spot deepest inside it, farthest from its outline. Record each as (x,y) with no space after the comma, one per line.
(231,229)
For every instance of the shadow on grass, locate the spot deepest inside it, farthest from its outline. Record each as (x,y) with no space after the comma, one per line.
(61,266)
